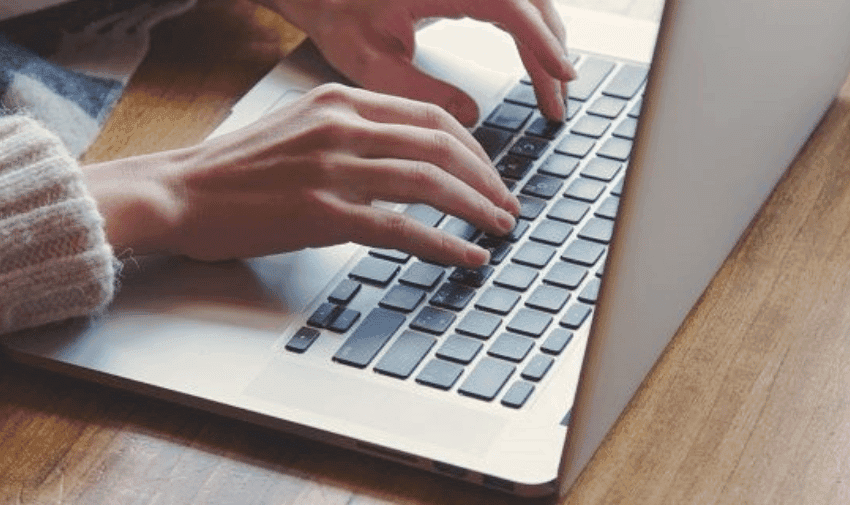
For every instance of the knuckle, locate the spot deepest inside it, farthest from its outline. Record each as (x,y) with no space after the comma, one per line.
(331,93)
(443,146)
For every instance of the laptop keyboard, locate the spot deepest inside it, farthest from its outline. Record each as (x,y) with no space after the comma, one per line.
(494,333)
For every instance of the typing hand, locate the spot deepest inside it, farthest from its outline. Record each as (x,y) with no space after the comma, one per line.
(372,43)
(306,176)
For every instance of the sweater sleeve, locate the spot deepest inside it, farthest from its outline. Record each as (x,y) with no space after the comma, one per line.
(55,262)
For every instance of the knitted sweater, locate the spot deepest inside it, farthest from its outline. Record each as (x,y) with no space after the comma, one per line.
(54,259)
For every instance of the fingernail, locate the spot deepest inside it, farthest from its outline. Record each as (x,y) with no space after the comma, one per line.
(570,73)
(464,109)
(505,220)
(476,256)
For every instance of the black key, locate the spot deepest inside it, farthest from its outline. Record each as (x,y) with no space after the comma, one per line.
(548,299)
(478,324)
(522,94)
(575,145)
(544,128)
(302,340)
(493,140)
(626,129)
(390,254)
(439,374)
(582,252)
(422,275)
(374,271)
(586,190)
(323,315)
(551,232)
(529,147)
(598,230)
(511,347)
(452,296)
(537,367)
(530,322)
(459,349)
(568,210)
(627,82)
(511,185)
(565,275)
(608,209)
(591,126)
(607,107)
(344,320)
(433,320)
(590,293)
(402,298)
(407,351)
(576,315)
(519,230)
(558,340)
(517,394)
(590,75)
(425,214)
(497,300)
(509,116)
(559,165)
(514,167)
(459,228)
(534,255)
(616,149)
(542,186)
(515,277)
(487,379)
(475,277)
(369,338)
(344,292)
(498,247)
(601,169)
(635,111)
(530,207)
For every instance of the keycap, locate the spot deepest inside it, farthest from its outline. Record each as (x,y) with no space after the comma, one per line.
(617,190)
(601,169)
(542,186)
(439,374)
(590,75)
(608,208)
(616,149)
(551,232)
(529,147)
(509,116)
(573,108)
(402,298)
(529,322)
(530,207)
(425,214)
(302,340)
(568,210)
(582,252)
(626,129)
(475,277)
(452,296)
(492,140)
(499,248)
(487,379)
(433,320)
(544,128)
(459,228)
(559,165)
(422,275)
(519,230)
(557,341)
(576,315)
(591,126)
(591,291)
(635,110)
(565,275)
(345,291)
(522,94)
(512,166)
(516,277)
(575,145)
(323,315)
(390,254)
(405,354)
(586,190)
(548,299)
(533,254)
(344,320)
(597,230)
(369,338)
(478,324)
(607,107)
(536,369)
(374,271)
(459,349)
(511,347)
(517,394)
(626,82)
(497,300)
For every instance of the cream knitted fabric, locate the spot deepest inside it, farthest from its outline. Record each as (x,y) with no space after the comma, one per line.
(54,259)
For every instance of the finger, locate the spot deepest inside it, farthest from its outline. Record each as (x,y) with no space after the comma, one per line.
(406,181)
(554,22)
(549,91)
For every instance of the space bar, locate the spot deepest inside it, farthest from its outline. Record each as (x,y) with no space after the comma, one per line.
(369,338)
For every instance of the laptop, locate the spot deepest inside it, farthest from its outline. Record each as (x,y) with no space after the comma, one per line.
(509,376)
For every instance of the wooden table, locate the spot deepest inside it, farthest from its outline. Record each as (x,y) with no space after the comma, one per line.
(749,404)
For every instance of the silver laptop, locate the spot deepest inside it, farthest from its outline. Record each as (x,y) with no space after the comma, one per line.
(508,376)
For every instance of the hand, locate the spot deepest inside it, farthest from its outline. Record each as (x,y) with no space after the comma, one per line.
(372,43)
(307,176)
